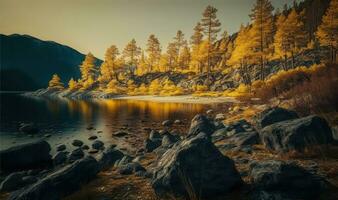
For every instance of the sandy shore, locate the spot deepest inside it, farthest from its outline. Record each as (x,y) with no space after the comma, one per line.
(180,99)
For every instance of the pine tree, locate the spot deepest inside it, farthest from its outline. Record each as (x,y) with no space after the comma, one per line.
(224,49)
(108,69)
(87,68)
(199,57)
(184,58)
(72,84)
(291,37)
(142,66)
(55,83)
(262,31)
(197,37)
(154,52)
(327,32)
(281,40)
(210,25)
(164,63)
(131,52)
(172,53)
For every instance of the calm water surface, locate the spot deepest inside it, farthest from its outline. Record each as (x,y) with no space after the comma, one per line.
(65,120)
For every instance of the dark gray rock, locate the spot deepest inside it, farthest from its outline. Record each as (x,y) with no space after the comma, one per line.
(285,177)
(151,145)
(77,143)
(201,123)
(92,137)
(60,158)
(130,168)
(196,163)
(61,147)
(25,156)
(60,183)
(154,135)
(120,134)
(76,155)
(85,147)
(274,115)
(177,121)
(244,139)
(98,145)
(29,128)
(29,180)
(125,160)
(219,134)
(167,123)
(169,139)
(296,134)
(13,182)
(109,157)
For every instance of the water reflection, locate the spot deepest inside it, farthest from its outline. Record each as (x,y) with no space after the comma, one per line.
(67,119)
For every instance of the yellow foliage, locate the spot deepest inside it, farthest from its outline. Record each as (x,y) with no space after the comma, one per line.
(55,83)
(154,87)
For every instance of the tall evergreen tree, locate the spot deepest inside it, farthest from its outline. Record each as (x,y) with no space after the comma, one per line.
(262,31)
(210,25)
(327,32)
(153,51)
(172,52)
(108,69)
(131,53)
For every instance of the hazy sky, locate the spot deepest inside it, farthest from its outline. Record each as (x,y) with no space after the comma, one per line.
(93,25)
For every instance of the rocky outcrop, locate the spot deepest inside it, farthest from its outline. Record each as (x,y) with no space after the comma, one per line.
(274,115)
(61,182)
(285,179)
(200,124)
(25,156)
(194,165)
(296,134)
(109,157)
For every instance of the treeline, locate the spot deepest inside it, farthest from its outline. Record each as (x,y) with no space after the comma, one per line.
(271,34)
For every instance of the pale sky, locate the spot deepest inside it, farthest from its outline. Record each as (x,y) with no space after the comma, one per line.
(94,25)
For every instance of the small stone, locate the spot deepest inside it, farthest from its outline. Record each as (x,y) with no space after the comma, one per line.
(93,137)
(167,123)
(77,143)
(97,145)
(93,151)
(120,134)
(61,147)
(85,147)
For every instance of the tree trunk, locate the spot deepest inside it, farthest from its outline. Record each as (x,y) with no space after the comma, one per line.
(285,62)
(293,60)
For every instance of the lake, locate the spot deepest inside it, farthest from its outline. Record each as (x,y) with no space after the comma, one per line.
(62,120)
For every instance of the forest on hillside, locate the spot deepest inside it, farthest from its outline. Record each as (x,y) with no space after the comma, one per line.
(277,54)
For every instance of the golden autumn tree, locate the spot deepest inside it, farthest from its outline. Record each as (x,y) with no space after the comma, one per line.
(195,41)
(210,25)
(184,57)
(72,84)
(154,52)
(55,83)
(199,57)
(131,53)
(87,68)
(164,65)
(327,32)
(262,31)
(225,49)
(108,69)
(172,53)
(142,66)
(290,37)
(242,54)
(179,43)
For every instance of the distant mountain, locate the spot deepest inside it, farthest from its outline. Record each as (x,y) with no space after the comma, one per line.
(27,63)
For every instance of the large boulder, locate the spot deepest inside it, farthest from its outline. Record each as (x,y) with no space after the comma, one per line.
(109,157)
(284,178)
(296,134)
(195,165)
(61,182)
(274,115)
(201,123)
(25,156)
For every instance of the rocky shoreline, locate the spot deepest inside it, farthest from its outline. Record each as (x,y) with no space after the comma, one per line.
(50,93)
(213,160)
